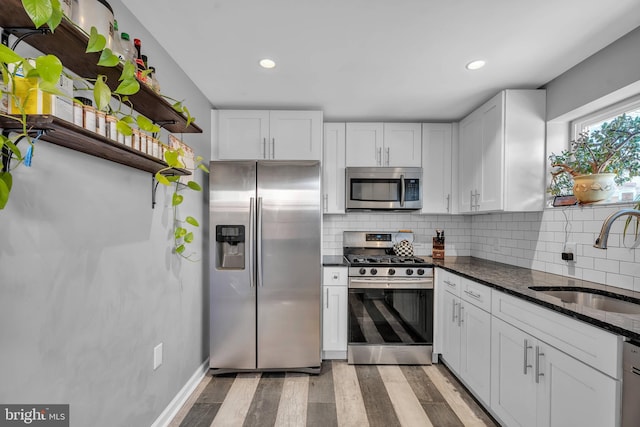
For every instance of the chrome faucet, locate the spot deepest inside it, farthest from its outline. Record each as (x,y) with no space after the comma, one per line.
(601,241)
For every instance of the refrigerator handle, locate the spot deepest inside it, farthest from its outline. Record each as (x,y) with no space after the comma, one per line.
(259,241)
(252,239)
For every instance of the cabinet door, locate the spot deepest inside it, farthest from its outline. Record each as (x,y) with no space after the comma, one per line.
(334,318)
(243,134)
(451,330)
(295,135)
(402,145)
(490,185)
(333,166)
(475,350)
(571,393)
(364,144)
(436,167)
(513,389)
(469,162)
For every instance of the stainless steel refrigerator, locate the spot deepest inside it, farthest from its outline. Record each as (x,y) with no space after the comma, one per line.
(265,271)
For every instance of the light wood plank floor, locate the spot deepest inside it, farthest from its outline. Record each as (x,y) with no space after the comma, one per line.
(342,395)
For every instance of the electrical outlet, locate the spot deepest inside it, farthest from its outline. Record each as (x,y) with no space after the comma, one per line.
(157,356)
(570,251)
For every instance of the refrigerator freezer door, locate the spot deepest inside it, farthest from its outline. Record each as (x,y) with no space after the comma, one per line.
(232,291)
(289,273)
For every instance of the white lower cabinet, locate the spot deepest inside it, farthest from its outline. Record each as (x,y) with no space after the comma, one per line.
(334,312)
(530,366)
(466,333)
(535,384)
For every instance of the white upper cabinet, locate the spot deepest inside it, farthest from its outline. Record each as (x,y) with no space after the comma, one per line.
(501,157)
(384,144)
(437,168)
(274,135)
(333,165)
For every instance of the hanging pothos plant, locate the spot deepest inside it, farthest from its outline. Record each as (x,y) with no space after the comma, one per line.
(47,70)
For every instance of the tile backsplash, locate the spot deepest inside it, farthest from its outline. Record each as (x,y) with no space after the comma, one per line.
(528,239)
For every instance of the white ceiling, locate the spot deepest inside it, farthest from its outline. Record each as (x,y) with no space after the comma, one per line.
(370,60)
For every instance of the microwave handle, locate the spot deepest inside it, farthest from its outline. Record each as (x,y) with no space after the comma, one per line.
(402,190)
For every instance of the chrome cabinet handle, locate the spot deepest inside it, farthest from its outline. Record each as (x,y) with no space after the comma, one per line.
(538,373)
(453,285)
(379,157)
(526,362)
(477,196)
(448,202)
(252,249)
(265,152)
(471,200)
(388,158)
(259,242)
(473,294)
(327,297)
(460,319)
(273,148)
(326,203)
(453,317)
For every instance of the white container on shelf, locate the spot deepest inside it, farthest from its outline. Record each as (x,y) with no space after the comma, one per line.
(94,13)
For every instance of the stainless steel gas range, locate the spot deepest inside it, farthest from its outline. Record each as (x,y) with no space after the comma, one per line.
(390,301)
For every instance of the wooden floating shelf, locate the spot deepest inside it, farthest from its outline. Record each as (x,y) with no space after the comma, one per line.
(68,43)
(66,134)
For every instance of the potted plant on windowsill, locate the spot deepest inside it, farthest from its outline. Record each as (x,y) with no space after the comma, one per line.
(598,160)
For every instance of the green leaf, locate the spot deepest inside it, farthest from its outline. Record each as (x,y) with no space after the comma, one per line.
(97,42)
(173,178)
(128,87)
(203,168)
(128,72)
(191,220)
(146,124)
(14,148)
(162,179)
(177,199)
(8,56)
(49,68)
(101,93)
(39,11)
(108,59)
(171,157)
(5,189)
(56,15)
(7,179)
(124,128)
(188,238)
(194,186)
(128,119)
(52,88)
(180,249)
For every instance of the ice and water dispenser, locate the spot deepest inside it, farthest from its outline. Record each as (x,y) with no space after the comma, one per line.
(230,247)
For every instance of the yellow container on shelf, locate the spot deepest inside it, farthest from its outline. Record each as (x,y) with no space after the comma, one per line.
(26,92)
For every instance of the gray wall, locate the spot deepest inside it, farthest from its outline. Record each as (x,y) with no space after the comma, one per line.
(595,82)
(88,283)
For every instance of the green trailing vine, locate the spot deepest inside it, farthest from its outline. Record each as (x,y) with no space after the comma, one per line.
(47,69)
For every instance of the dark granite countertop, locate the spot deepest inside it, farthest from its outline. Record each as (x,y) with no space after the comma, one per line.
(516,281)
(334,261)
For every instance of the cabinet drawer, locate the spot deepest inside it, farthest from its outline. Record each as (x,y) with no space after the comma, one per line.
(334,276)
(450,282)
(476,294)
(589,344)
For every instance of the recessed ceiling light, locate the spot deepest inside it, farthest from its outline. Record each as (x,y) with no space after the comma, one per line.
(267,63)
(475,65)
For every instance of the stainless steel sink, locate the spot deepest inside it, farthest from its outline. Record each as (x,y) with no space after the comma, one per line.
(591,298)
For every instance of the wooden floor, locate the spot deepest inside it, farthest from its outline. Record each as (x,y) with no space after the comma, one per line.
(342,395)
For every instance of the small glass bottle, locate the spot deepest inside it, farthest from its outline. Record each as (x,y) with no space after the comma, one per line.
(116,46)
(128,49)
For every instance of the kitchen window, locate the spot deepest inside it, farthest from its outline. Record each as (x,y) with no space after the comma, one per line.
(629,191)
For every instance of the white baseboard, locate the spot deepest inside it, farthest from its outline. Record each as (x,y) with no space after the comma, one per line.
(174,406)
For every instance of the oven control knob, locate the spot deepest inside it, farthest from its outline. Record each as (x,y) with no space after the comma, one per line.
(374,271)
(363,271)
(409,272)
(392,271)
(421,271)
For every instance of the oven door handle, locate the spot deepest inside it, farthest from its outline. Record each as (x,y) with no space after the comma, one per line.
(391,284)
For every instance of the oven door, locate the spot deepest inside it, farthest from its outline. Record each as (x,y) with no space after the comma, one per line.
(390,321)
(383,188)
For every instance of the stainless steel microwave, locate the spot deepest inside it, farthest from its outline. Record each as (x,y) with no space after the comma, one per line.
(383,188)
